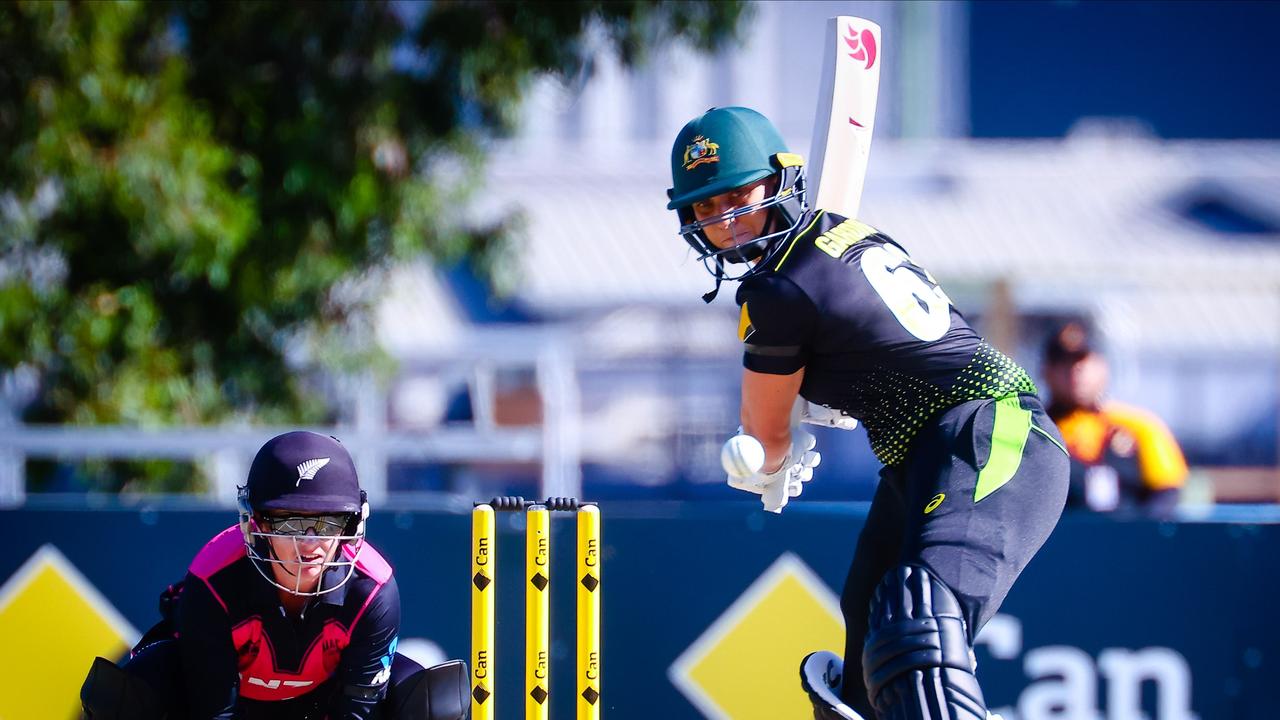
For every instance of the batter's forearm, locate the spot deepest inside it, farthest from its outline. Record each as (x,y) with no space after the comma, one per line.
(766,412)
(776,443)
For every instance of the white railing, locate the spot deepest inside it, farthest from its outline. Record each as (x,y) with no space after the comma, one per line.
(229,450)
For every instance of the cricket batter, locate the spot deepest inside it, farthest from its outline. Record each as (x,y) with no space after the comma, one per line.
(836,313)
(289,614)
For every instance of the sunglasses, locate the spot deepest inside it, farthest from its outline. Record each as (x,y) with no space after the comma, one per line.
(318,525)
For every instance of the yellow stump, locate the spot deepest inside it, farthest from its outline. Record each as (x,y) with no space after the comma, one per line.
(483,588)
(588,612)
(537,627)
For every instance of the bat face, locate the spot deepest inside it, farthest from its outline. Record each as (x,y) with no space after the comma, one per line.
(846,115)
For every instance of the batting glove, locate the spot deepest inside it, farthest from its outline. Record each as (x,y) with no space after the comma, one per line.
(779,486)
(815,414)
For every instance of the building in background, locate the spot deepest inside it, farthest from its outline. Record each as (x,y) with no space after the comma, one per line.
(1044,160)
(1168,246)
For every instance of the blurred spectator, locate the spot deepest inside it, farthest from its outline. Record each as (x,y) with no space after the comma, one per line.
(1122,458)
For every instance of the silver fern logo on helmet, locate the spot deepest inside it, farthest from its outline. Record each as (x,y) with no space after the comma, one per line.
(308,469)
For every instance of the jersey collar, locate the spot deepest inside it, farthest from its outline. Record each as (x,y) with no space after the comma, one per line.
(808,224)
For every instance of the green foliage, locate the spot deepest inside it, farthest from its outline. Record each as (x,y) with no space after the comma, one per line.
(196,198)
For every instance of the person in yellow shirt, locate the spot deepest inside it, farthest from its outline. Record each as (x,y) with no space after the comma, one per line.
(1123,458)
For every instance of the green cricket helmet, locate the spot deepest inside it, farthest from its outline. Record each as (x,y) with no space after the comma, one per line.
(722,150)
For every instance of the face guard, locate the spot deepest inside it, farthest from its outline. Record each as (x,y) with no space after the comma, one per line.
(302,493)
(309,535)
(786,210)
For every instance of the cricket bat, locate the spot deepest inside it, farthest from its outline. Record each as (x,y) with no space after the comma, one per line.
(846,115)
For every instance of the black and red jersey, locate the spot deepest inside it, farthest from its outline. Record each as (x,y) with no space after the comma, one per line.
(244,657)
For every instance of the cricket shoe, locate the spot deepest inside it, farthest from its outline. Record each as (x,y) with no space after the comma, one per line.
(821,674)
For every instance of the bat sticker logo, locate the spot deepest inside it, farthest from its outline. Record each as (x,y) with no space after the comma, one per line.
(863,45)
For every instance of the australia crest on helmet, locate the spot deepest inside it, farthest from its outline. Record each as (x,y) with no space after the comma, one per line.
(700,152)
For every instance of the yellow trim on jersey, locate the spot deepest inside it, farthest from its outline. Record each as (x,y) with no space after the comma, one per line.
(744,324)
(797,239)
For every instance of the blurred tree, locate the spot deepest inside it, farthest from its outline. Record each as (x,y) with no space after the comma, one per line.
(196,199)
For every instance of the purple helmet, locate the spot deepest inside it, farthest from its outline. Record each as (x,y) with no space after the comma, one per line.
(303,486)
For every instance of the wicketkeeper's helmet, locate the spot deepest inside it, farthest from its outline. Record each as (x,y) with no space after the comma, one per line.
(309,481)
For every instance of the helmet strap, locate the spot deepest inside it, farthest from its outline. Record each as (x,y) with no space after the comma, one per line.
(708,297)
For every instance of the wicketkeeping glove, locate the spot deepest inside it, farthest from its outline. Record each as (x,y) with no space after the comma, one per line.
(777,487)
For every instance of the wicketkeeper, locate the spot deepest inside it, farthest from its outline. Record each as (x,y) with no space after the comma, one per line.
(290,614)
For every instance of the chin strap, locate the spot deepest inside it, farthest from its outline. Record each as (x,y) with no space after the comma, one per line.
(708,297)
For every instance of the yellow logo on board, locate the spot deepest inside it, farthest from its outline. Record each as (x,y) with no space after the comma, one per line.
(840,238)
(745,664)
(54,623)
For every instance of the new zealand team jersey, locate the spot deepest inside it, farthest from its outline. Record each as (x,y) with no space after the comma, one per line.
(876,336)
(244,657)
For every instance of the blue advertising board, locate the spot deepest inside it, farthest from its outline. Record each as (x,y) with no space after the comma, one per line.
(708,605)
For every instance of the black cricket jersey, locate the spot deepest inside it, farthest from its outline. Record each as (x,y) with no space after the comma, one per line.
(876,336)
